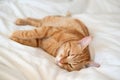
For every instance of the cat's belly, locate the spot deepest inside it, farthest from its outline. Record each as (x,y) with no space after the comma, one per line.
(50,45)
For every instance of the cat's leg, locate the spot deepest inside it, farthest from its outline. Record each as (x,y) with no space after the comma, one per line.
(28,21)
(40,32)
(28,42)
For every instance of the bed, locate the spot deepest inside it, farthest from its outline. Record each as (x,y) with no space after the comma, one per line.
(20,62)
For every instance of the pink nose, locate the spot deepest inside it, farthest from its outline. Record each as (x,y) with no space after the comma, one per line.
(58,62)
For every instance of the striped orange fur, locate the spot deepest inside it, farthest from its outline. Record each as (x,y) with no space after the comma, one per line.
(65,38)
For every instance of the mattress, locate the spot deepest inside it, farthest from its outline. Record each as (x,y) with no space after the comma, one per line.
(20,62)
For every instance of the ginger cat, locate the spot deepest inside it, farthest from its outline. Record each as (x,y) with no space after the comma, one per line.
(65,38)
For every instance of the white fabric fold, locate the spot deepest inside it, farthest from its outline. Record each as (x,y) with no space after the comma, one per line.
(20,62)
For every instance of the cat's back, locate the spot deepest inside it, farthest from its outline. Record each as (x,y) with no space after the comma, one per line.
(61,21)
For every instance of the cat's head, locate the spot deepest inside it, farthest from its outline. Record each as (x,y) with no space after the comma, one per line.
(73,55)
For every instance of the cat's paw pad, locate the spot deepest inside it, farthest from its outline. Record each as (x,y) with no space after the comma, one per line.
(20,22)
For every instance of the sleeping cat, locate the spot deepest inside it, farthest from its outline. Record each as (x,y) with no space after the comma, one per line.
(65,38)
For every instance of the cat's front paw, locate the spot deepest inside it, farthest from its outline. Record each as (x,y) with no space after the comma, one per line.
(15,34)
(20,22)
(17,40)
(14,39)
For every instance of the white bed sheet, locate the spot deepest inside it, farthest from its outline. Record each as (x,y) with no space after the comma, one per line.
(19,62)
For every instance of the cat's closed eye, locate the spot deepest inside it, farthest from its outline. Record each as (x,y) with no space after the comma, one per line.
(70,65)
(69,53)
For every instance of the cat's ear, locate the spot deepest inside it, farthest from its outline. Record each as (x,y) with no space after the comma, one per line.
(85,42)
